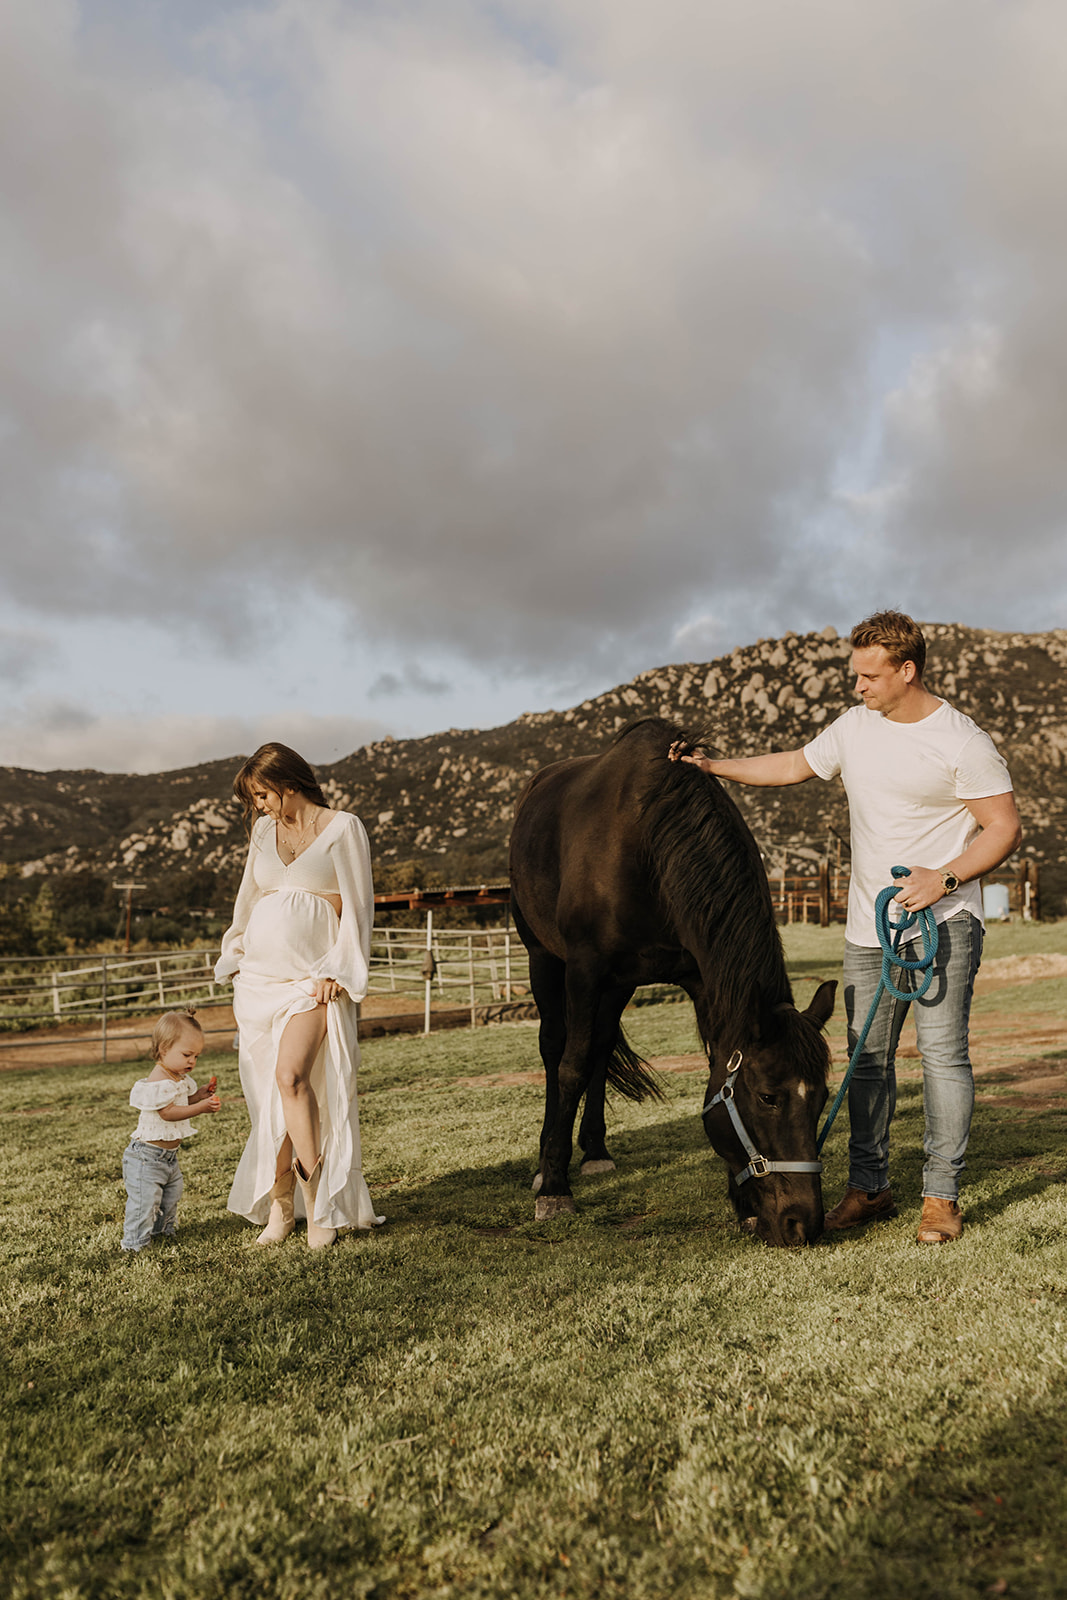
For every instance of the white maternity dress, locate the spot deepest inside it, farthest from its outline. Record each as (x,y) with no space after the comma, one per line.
(284,936)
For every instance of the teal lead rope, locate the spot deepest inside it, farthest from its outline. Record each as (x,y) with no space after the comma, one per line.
(890,937)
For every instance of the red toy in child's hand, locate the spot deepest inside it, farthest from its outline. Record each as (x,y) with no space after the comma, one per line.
(212,1081)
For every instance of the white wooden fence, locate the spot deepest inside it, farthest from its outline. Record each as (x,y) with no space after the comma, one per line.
(437,966)
(472,967)
(53,992)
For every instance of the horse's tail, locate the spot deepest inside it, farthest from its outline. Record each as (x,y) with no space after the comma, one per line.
(627,1073)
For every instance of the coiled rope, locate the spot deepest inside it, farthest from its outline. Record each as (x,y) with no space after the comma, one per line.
(890,937)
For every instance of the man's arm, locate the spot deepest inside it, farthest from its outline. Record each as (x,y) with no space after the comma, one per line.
(1001,834)
(776,770)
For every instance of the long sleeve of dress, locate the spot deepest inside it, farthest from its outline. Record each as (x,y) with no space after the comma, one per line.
(348,962)
(233,940)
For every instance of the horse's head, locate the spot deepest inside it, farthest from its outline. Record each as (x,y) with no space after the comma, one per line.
(761,1114)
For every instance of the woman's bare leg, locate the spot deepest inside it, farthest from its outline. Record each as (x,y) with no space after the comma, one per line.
(300,1044)
(284,1162)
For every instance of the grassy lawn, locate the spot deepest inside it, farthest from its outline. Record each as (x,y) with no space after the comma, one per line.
(811,949)
(636,1402)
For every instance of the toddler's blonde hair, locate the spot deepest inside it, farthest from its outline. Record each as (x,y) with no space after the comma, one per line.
(168,1030)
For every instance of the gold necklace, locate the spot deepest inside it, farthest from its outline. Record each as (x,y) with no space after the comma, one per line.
(294,849)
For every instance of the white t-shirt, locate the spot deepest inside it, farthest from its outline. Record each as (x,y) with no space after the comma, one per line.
(906,784)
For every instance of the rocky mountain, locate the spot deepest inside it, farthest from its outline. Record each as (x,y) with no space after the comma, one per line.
(439,809)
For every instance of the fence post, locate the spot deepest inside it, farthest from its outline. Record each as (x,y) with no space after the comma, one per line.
(507,963)
(56,1003)
(824,893)
(470,973)
(159,984)
(103,1008)
(428,967)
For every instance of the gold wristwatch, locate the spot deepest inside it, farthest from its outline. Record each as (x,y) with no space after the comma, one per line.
(949,880)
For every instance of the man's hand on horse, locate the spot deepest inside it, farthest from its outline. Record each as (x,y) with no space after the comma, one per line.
(682,750)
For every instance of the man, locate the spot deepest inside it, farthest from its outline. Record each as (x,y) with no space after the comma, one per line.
(929,790)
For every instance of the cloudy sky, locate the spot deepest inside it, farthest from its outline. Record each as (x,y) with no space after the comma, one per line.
(392,366)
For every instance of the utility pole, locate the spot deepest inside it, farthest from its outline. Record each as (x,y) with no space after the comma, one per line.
(129,888)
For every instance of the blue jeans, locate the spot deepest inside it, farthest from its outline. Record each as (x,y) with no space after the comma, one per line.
(942,1019)
(154,1186)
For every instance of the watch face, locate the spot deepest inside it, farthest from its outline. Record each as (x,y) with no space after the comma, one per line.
(951,882)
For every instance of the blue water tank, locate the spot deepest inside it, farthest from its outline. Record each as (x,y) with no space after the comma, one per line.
(995,902)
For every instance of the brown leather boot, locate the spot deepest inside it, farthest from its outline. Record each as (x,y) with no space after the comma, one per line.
(941,1221)
(858,1207)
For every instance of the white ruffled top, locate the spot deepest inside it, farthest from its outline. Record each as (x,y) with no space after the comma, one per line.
(149,1096)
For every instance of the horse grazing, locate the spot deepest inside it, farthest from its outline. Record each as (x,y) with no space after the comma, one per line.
(628,868)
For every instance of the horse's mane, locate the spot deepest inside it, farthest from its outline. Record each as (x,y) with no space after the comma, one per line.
(713,883)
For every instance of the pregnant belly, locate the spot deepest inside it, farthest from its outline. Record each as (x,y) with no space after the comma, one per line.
(288,932)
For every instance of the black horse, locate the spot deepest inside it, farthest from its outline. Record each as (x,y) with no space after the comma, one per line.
(628,868)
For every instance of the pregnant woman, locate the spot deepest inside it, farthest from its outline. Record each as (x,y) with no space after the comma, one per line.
(298,953)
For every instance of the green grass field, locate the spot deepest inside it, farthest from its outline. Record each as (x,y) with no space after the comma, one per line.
(637,1402)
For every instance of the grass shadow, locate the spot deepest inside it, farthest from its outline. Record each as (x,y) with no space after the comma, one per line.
(956,1526)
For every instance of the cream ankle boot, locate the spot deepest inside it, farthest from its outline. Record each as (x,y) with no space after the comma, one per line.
(280,1223)
(318,1238)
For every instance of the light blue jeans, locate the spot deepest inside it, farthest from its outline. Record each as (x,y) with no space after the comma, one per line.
(942,1019)
(154,1186)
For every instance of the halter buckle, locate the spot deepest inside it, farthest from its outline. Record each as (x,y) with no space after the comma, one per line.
(759,1167)
(726,1092)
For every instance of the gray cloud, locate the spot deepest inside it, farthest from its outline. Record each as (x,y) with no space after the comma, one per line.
(412,680)
(22,651)
(541,357)
(47,735)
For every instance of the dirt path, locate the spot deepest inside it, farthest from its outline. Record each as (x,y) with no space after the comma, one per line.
(127,1040)
(1019,1056)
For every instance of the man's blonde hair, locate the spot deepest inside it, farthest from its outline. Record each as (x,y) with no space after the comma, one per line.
(169,1029)
(899,636)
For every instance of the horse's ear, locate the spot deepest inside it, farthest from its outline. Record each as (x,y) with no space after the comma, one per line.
(821,1008)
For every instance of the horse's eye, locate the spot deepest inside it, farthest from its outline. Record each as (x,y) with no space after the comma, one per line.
(769,1099)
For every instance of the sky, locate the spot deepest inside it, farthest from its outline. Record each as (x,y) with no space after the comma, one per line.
(387,367)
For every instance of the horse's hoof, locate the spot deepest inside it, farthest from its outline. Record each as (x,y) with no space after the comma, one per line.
(553,1205)
(538,1181)
(588,1167)
(748,1224)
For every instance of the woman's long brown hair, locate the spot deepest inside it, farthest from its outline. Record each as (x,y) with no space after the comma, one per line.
(275,766)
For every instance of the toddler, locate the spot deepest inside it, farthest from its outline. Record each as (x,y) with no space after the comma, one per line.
(166,1099)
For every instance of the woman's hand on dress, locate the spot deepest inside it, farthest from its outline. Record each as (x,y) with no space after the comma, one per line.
(327,989)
